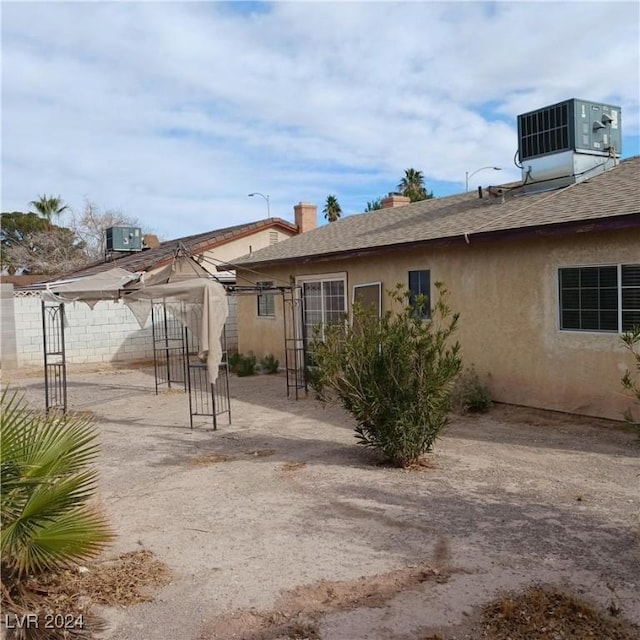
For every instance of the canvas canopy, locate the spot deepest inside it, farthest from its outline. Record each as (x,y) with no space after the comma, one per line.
(199,302)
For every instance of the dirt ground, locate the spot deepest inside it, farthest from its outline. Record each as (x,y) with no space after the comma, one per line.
(280,526)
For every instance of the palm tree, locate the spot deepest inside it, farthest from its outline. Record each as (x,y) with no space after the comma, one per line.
(332,210)
(374,205)
(48,207)
(412,186)
(46,485)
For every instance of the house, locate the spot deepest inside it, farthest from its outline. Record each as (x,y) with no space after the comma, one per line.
(210,248)
(544,281)
(110,332)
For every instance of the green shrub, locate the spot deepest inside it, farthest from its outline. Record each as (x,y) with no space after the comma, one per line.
(631,379)
(233,359)
(269,364)
(246,365)
(469,395)
(47,484)
(393,374)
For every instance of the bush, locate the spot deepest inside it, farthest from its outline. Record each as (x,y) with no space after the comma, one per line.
(393,374)
(46,521)
(469,395)
(246,365)
(269,364)
(631,379)
(233,359)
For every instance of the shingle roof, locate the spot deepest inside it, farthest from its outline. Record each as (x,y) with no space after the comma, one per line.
(607,195)
(152,258)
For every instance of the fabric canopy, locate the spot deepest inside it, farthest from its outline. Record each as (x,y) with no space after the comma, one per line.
(198,302)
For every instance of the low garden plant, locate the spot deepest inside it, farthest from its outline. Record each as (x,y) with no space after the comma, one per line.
(270,364)
(47,519)
(631,378)
(394,374)
(246,365)
(470,394)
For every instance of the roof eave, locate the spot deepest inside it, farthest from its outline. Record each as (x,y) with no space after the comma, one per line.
(609,223)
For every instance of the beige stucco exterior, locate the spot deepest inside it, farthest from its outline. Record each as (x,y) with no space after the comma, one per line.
(507,296)
(242,246)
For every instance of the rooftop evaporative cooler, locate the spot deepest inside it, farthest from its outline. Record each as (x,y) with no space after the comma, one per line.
(568,142)
(124,239)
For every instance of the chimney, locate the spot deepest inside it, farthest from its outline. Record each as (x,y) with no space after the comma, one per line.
(150,241)
(306,216)
(395,200)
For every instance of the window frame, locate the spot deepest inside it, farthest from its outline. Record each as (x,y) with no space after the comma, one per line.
(267,298)
(426,311)
(340,276)
(368,284)
(619,289)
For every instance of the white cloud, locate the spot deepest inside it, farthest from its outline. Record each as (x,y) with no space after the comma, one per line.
(174,112)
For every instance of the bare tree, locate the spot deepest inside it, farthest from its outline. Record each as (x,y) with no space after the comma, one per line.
(92,224)
(51,252)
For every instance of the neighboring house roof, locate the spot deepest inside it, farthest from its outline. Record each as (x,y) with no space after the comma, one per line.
(195,244)
(611,198)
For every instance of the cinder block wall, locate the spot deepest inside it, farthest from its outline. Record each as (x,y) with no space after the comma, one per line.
(8,354)
(106,333)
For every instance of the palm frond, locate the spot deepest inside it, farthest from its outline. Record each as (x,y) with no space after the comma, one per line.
(46,485)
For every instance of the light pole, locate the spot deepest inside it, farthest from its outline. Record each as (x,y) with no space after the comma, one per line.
(257,193)
(468,175)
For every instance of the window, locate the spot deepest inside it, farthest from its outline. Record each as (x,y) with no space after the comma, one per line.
(266,301)
(420,284)
(605,298)
(323,302)
(369,296)
(273,237)
(630,286)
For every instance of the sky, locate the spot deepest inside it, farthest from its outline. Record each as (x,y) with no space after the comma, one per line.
(173,112)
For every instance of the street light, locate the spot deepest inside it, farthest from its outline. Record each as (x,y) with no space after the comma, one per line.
(468,175)
(257,193)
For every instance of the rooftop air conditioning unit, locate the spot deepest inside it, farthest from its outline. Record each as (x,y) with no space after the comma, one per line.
(568,142)
(124,239)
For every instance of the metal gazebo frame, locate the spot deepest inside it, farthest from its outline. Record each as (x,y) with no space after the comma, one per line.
(176,360)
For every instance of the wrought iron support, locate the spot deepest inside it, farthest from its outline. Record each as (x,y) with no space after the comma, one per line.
(55,362)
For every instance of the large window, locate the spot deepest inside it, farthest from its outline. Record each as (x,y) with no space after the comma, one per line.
(420,285)
(266,301)
(603,298)
(324,302)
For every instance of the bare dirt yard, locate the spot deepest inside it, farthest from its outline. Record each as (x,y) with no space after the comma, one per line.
(280,526)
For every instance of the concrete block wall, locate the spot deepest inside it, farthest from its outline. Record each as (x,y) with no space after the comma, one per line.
(231,325)
(8,351)
(108,333)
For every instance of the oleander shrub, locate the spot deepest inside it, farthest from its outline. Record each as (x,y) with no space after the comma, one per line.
(631,379)
(394,374)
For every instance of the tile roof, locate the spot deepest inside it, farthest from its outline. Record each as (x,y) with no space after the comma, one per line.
(607,195)
(152,258)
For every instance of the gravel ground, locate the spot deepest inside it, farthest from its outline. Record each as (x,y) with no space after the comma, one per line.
(281,516)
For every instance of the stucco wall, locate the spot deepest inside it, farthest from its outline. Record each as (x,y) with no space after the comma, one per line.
(241,246)
(507,297)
